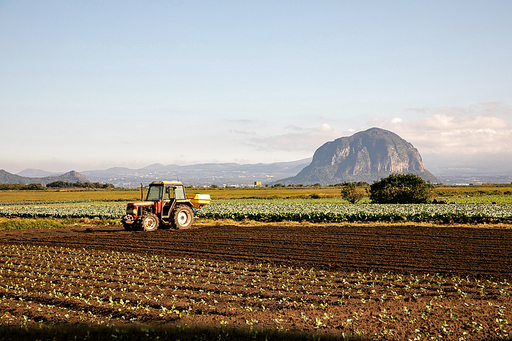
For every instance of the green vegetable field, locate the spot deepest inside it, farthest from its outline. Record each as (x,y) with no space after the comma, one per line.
(333,210)
(63,210)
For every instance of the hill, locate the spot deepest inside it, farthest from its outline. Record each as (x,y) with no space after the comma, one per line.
(37,173)
(9,178)
(365,156)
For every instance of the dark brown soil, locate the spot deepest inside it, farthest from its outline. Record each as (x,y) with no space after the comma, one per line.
(384,282)
(462,251)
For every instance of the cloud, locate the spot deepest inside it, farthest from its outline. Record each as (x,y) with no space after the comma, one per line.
(240,121)
(474,131)
(299,139)
(457,131)
(241,132)
(327,128)
(480,109)
(293,127)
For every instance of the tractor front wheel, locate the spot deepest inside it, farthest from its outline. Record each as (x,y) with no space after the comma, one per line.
(129,227)
(183,217)
(149,222)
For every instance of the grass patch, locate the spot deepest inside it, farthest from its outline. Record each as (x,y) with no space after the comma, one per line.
(484,199)
(205,222)
(19,224)
(41,223)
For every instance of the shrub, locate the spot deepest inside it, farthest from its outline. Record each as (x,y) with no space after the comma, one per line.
(401,189)
(350,192)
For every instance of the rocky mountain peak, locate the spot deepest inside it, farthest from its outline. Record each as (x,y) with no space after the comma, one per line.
(365,156)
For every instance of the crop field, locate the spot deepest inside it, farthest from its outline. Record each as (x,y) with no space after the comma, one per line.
(310,210)
(334,206)
(401,282)
(323,210)
(80,209)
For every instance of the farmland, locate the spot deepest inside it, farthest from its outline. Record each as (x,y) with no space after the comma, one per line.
(468,204)
(309,268)
(375,281)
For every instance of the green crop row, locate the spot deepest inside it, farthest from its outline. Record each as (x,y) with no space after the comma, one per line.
(104,211)
(322,212)
(490,210)
(359,217)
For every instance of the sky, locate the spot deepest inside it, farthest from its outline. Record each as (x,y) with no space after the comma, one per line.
(92,84)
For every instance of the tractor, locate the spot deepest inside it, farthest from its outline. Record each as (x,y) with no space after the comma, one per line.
(166,205)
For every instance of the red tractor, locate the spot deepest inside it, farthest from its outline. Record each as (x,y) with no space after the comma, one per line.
(165,204)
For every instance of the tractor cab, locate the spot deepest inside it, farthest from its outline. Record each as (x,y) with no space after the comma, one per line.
(165,190)
(165,195)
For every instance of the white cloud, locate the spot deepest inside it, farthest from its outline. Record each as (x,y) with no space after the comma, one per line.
(294,128)
(326,127)
(300,139)
(480,109)
(457,131)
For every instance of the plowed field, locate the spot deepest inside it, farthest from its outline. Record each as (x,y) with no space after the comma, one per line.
(389,282)
(463,251)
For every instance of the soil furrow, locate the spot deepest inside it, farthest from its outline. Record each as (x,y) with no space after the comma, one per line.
(400,248)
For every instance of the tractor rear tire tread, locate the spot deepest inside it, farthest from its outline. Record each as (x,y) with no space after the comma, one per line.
(183,217)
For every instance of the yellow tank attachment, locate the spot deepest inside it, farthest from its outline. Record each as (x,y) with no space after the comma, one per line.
(199,200)
(167,183)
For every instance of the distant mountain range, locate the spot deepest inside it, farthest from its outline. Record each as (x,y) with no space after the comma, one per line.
(364,156)
(219,174)
(8,178)
(205,174)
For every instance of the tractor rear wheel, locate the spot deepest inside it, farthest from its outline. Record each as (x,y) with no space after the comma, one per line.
(183,217)
(149,222)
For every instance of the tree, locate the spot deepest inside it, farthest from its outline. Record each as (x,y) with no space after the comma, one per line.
(350,192)
(401,189)
(35,187)
(59,184)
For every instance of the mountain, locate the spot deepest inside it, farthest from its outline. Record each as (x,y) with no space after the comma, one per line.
(365,156)
(72,176)
(36,173)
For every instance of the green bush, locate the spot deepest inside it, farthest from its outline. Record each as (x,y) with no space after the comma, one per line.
(401,189)
(350,192)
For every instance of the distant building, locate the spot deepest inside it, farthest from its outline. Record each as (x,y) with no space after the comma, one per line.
(257,183)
